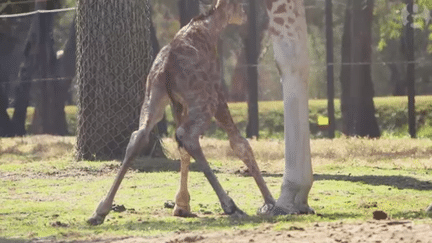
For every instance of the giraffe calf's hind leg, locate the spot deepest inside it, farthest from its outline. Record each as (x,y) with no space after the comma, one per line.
(182,207)
(188,134)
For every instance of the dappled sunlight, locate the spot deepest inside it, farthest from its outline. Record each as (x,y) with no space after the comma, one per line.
(37,147)
(389,153)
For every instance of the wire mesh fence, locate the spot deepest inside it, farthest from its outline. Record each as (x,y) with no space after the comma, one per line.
(114,56)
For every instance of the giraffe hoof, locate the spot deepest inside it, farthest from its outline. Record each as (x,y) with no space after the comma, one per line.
(180,212)
(96,220)
(276,211)
(238,214)
(266,209)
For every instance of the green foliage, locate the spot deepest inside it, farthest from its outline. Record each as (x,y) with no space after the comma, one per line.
(392,16)
(426,3)
(389,17)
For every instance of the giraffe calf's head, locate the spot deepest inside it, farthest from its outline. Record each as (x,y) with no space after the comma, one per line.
(234,10)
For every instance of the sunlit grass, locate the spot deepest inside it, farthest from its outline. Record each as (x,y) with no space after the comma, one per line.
(45,193)
(391,114)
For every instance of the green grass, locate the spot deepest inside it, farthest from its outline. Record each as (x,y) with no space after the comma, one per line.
(391,113)
(44,193)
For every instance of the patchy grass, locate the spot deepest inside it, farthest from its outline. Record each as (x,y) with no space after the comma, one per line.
(44,193)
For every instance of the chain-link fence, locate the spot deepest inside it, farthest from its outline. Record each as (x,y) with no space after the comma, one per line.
(113,58)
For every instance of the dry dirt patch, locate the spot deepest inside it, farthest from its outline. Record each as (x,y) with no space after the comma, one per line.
(371,231)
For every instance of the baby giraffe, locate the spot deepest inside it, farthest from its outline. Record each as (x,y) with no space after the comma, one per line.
(186,73)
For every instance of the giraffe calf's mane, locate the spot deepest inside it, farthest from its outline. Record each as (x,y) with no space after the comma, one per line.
(205,15)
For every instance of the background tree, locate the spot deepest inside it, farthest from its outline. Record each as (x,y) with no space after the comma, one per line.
(49,116)
(14,36)
(188,9)
(358,111)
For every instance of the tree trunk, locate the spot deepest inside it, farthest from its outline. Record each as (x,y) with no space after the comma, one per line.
(25,75)
(113,59)
(239,79)
(188,9)
(11,54)
(396,70)
(345,72)
(252,129)
(357,106)
(49,116)
(5,123)
(22,91)
(66,64)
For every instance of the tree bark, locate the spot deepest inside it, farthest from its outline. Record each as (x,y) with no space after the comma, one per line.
(11,55)
(188,9)
(357,106)
(49,116)
(5,122)
(252,129)
(113,59)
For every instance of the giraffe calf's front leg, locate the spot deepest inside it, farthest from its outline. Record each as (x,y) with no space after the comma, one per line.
(99,215)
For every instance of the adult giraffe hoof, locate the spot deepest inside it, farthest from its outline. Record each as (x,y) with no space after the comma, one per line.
(96,220)
(180,212)
(266,209)
(277,210)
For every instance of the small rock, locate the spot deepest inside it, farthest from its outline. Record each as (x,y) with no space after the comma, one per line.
(378,215)
(118,208)
(193,238)
(296,228)
(169,204)
(59,224)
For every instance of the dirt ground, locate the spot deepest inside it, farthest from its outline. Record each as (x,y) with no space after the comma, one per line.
(372,231)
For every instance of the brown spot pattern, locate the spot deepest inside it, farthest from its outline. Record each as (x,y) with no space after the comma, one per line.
(291,20)
(281,9)
(273,31)
(279,21)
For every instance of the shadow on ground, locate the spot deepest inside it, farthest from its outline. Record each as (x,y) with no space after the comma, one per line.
(145,164)
(400,182)
(5,240)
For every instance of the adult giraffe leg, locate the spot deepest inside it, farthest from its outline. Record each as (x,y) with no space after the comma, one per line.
(244,152)
(151,113)
(298,177)
(188,136)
